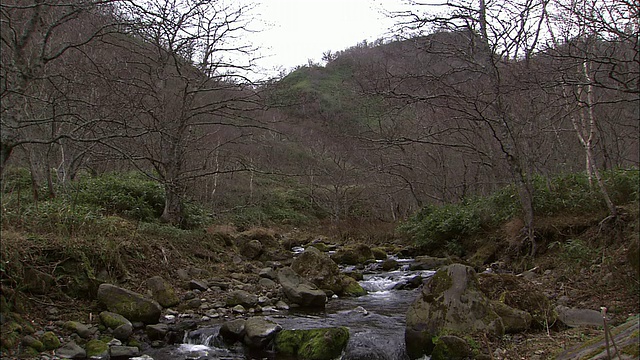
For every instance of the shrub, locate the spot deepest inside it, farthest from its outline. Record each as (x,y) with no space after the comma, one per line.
(130,195)
(442,227)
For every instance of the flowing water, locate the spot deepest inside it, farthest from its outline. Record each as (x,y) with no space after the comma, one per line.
(376,323)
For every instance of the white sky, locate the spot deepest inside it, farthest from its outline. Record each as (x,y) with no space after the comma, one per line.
(299,30)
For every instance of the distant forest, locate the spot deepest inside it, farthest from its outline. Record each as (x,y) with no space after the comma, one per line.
(456,105)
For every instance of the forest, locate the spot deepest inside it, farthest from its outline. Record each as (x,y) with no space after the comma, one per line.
(454,106)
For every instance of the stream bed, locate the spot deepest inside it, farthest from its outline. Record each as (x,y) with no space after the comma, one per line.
(376,323)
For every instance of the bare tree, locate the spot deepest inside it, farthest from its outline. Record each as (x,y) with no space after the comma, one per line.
(41,109)
(186,96)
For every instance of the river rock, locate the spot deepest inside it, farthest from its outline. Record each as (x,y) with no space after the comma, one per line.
(163,292)
(97,349)
(250,248)
(129,304)
(317,267)
(79,328)
(123,332)
(429,263)
(362,346)
(157,331)
(125,352)
(450,303)
(259,332)
(350,287)
(113,320)
(312,344)
(71,350)
(232,331)
(578,317)
(451,347)
(353,255)
(268,273)
(299,290)
(241,297)
(198,285)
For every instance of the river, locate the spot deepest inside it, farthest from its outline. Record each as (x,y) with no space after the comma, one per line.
(376,323)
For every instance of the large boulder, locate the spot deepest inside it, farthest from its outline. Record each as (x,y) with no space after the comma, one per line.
(312,344)
(259,332)
(450,303)
(353,255)
(129,304)
(163,292)
(318,268)
(299,290)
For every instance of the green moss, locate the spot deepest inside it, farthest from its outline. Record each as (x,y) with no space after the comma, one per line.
(353,288)
(9,340)
(631,349)
(96,347)
(30,352)
(112,320)
(313,344)
(50,341)
(442,281)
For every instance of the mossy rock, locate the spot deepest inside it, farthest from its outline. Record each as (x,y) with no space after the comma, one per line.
(113,320)
(379,253)
(519,293)
(129,304)
(449,347)
(321,246)
(96,348)
(50,340)
(30,341)
(9,340)
(312,344)
(29,352)
(450,303)
(350,287)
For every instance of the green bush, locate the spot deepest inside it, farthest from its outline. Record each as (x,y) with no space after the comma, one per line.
(16,179)
(130,195)
(58,216)
(442,227)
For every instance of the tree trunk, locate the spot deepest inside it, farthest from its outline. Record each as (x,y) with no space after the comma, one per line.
(172,213)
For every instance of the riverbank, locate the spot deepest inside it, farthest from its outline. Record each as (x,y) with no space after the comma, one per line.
(49,280)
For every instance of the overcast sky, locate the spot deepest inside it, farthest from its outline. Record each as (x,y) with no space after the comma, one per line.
(298,30)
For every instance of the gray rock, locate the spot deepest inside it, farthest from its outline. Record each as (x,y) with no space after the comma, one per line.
(268,273)
(113,320)
(299,290)
(198,285)
(450,303)
(71,350)
(123,351)
(157,331)
(267,283)
(259,332)
(123,332)
(241,297)
(233,330)
(163,292)
(578,317)
(129,304)
(318,268)
(79,328)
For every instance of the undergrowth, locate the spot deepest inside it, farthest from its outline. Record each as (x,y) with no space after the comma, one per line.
(445,226)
